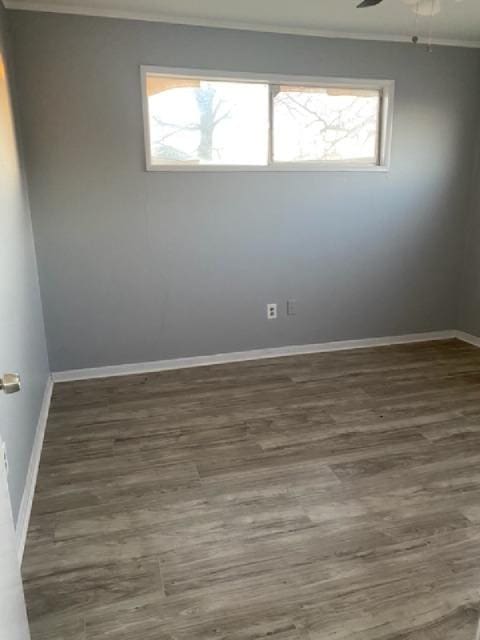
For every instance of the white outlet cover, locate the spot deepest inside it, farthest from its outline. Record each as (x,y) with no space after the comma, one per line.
(272,311)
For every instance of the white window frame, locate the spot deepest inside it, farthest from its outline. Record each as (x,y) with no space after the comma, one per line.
(386,87)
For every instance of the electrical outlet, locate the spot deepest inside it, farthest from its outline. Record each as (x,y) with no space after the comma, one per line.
(4,456)
(272,312)
(291,307)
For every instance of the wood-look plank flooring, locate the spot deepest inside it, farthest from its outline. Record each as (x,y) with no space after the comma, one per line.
(322,497)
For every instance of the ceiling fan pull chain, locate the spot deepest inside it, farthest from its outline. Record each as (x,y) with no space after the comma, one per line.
(430,28)
(424,8)
(415,38)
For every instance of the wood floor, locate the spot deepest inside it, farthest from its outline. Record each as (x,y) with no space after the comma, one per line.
(323,497)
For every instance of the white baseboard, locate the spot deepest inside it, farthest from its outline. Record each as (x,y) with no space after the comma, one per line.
(29,491)
(468,337)
(241,356)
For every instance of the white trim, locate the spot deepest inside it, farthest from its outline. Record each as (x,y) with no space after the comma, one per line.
(385,87)
(29,491)
(80,10)
(468,337)
(271,168)
(241,356)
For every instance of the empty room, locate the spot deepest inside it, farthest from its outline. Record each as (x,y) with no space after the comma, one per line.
(240,320)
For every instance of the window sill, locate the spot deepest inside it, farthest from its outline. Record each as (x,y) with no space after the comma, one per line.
(280,168)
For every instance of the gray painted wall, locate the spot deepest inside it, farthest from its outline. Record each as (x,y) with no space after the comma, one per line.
(469,317)
(138,266)
(22,337)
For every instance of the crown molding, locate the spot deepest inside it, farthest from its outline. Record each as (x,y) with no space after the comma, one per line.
(80,10)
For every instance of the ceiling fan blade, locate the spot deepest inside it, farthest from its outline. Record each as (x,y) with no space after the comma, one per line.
(368,3)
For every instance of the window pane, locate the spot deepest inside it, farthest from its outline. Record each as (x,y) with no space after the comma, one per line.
(205,122)
(313,124)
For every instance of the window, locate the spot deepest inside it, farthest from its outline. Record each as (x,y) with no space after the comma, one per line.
(317,124)
(204,121)
(199,122)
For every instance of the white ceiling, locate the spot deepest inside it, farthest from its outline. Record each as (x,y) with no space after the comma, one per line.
(458,23)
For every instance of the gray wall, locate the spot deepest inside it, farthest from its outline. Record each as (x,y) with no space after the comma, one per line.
(140,266)
(469,317)
(22,338)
